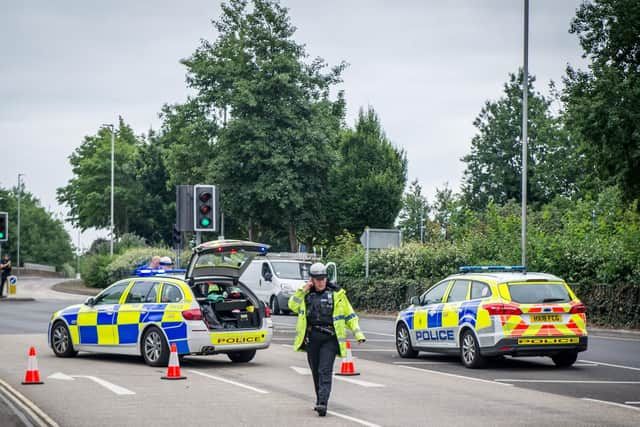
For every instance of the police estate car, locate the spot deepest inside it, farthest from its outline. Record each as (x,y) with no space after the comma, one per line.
(493,311)
(207,311)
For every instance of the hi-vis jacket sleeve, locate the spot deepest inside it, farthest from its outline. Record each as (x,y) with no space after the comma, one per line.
(351,320)
(296,300)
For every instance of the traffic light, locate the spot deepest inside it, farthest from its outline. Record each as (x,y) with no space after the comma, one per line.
(176,237)
(4,226)
(205,204)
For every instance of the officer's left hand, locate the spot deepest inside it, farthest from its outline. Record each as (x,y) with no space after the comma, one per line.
(361,341)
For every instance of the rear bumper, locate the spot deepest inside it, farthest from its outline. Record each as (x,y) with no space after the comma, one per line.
(536,346)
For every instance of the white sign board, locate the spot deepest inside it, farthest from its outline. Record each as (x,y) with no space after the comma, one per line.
(379,238)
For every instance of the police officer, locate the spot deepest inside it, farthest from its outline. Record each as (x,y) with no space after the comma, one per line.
(324,313)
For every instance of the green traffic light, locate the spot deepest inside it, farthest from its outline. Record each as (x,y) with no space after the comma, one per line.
(205,222)
(1,235)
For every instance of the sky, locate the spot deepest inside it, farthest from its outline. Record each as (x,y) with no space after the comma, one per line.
(427,67)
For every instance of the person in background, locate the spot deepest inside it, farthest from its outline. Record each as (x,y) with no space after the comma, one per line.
(155,262)
(5,267)
(324,314)
(166,263)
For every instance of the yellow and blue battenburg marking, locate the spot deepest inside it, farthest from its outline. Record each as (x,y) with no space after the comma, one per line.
(122,324)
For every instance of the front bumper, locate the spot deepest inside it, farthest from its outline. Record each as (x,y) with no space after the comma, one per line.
(536,346)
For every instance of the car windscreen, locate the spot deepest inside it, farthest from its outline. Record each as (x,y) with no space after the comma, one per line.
(539,293)
(224,259)
(291,270)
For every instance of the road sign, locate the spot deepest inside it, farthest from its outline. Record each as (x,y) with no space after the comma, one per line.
(379,238)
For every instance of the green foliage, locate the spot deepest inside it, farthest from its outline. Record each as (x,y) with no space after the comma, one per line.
(414,215)
(368,179)
(43,239)
(603,104)
(93,270)
(494,166)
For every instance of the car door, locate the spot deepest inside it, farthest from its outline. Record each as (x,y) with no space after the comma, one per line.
(427,319)
(96,322)
(458,294)
(142,294)
(266,282)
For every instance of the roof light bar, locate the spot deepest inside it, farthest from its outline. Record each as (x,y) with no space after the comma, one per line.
(146,272)
(483,268)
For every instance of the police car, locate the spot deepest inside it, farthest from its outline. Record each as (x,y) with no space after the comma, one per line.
(206,311)
(493,311)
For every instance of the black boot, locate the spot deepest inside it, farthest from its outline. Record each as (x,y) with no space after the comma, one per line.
(321,409)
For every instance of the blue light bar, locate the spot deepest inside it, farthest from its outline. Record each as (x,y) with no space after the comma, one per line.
(146,272)
(483,268)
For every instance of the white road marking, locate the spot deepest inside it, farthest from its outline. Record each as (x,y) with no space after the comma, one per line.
(614,338)
(121,391)
(17,412)
(453,375)
(610,365)
(307,371)
(632,403)
(606,402)
(355,420)
(418,363)
(378,333)
(224,380)
(354,349)
(509,380)
(584,365)
(286,345)
(358,382)
(301,371)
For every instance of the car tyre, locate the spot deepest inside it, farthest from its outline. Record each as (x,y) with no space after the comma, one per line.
(154,347)
(470,351)
(275,305)
(61,340)
(403,343)
(241,356)
(565,359)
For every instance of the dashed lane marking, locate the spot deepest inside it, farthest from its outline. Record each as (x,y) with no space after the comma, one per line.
(606,402)
(514,380)
(121,391)
(453,375)
(611,365)
(224,380)
(354,419)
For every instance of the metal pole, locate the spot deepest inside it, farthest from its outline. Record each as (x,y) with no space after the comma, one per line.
(366,253)
(525,92)
(221,235)
(113,140)
(20,175)
(422,225)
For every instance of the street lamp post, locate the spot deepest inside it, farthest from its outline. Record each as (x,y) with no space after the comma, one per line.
(20,175)
(525,93)
(113,132)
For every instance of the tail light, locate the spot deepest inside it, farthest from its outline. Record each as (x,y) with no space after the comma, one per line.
(193,314)
(499,309)
(578,308)
(267,311)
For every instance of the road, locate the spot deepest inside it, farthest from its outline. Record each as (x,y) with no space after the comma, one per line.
(275,388)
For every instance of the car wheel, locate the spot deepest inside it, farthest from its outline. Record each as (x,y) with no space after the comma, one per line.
(470,351)
(242,356)
(565,359)
(61,341)
(154,348)
(403,343)
(275,306)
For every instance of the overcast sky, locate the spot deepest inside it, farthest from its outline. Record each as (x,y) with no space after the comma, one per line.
(426,67)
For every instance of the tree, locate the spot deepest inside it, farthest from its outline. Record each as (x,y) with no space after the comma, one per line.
(43,239)
(273,150)
(494,166)
(368,178)
(603,103)
(414,215)
(88,193)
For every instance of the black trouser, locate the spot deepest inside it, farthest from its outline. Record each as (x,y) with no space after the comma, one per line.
(3,279)
(321,354)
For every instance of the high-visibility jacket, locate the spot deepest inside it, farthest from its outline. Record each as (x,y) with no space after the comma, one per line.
(343,317)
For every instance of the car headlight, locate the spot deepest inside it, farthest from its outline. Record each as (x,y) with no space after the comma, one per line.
(286,287)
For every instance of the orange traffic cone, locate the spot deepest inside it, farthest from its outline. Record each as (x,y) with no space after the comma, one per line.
(173,370)
(32,376)
(348,368)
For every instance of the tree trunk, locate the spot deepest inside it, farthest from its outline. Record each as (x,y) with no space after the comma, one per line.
(250,230)
(293,241)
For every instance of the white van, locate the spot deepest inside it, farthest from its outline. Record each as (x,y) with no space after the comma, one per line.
(275,278)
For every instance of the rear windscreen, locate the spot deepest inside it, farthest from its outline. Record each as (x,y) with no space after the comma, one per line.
(539,293)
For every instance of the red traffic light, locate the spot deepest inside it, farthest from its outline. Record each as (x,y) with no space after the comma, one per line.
(204,197)
(205,209)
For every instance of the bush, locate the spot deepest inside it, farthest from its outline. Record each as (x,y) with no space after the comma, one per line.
(68,271)
(94,270)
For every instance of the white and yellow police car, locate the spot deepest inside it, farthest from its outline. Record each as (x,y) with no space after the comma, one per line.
(206,311)
(491,311)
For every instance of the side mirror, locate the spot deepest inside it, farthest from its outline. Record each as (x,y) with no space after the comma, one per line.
(90,301)
(268,277)
(414,301)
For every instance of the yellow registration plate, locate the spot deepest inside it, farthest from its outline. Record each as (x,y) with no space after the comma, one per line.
(238,338)
(546,318)
(557,340)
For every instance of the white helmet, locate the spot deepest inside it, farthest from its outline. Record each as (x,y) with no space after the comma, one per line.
(318,270)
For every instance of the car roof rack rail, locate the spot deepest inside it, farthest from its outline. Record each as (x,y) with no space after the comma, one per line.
(494,268)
